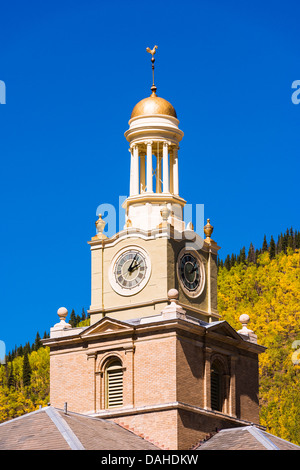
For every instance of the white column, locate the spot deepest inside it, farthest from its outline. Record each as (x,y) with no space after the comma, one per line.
(149,168)
(131,172)
(165,168)
(142,173)
(232,389)
(175,172)
(209,284)
(207,395)
(171,171)
(135,173)
(158,172)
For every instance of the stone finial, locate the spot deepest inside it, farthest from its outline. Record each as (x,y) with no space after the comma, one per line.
(173,295)
(190,226)
(62,312)
(100,225)
(173,310)
(165,212)
(244,319)
(208,230)
(62,326)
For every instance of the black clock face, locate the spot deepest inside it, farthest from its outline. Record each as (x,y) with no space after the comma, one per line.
(130,269)
(189,272)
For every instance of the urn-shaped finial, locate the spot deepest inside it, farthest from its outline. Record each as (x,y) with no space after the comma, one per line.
(208,229)
(165,212)
(100,224)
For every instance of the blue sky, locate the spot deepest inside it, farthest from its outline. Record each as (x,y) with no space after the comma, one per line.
(74,71)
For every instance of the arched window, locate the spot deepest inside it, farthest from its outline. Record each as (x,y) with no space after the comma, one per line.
(114,384)
(216,388)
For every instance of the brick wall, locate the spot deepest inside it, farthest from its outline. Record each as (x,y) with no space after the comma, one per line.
(159,428)
(71,379)
(189,371)
(164,372)
(155,370)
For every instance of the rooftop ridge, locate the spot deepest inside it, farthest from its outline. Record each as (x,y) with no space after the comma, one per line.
(264,440)
(64,429)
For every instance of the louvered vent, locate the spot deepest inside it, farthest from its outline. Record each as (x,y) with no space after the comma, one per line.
(215,390)
(114,385)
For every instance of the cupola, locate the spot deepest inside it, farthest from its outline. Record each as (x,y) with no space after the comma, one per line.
(153,137)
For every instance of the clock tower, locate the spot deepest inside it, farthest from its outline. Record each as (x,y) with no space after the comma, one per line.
(133,270)
(156,357)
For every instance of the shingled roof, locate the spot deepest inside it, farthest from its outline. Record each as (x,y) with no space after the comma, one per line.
(245,438)
(52,429)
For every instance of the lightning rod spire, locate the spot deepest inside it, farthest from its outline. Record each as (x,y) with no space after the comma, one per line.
(152,52)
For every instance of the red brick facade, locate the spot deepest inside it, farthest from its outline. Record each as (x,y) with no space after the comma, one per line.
(166,377)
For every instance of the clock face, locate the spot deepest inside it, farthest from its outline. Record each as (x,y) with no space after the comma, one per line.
(191,273)
(130,271)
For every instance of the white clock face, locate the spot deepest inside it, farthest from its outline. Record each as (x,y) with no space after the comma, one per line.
(190,272)
(130,271)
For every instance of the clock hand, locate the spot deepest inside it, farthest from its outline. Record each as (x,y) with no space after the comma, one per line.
(130,267)
(135,266)
(194,268)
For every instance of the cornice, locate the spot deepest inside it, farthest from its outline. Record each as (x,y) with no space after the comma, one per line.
(176,405)
(156,326)
(128,306)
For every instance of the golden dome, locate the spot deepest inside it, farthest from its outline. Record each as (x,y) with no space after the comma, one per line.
(153,105)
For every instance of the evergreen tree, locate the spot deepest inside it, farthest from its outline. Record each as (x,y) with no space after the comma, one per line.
(279,244)
(14,353)
(251,258)
(297,240)
(232,260)
(272,248)
(227,263)
(291,239)
(242,255)
(37,343)
(27,348)
(26,371)
(284,242)
(265,245)
(11,378)
(83,315)
(72,320)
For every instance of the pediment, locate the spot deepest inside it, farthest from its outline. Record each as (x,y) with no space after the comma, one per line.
(223,328)
(105,326)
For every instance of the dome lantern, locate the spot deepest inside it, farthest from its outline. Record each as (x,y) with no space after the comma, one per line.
(154,137)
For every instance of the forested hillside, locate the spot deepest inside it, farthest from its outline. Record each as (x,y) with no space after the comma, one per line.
(267,287)
(24,383)
(24,379)
(265,284)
